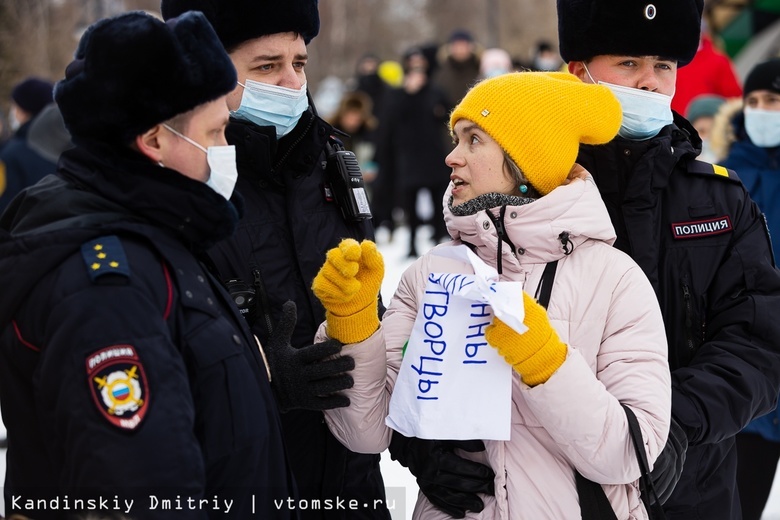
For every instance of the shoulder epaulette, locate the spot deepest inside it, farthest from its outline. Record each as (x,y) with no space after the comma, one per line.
(105,255)
(712,170)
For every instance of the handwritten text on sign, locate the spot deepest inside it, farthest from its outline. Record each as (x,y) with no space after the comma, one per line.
(452,384)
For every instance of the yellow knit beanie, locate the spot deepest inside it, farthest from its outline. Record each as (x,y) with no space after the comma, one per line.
(540,118)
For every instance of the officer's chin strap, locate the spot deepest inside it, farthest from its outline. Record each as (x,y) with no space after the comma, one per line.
(498,222)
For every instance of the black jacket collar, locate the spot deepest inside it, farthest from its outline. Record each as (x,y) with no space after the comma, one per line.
(117,180)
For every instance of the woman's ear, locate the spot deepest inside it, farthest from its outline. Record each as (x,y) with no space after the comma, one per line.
(150,143)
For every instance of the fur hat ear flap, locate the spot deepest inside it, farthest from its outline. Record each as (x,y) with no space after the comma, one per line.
(666,28)
(134,71)
(237,21)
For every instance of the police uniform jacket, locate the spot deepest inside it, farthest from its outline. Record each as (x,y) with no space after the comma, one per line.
(125,368)
(290,222)
(703,243)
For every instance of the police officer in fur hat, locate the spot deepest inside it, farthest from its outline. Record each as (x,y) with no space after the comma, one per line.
(128,379)
(698,236)
(294,215)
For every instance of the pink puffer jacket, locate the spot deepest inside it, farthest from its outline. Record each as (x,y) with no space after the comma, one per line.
(602,307)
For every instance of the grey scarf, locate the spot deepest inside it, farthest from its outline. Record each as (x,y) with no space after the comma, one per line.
(487,201)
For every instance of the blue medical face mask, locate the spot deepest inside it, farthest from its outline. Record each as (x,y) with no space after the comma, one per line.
(223,172)
(645,113)
(763,127)
(271,105)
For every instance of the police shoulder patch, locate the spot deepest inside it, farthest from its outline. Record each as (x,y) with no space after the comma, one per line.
(105,255)
(702,228)
(118,384)
(712,170)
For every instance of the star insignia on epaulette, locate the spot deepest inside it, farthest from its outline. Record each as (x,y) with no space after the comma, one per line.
(105,255)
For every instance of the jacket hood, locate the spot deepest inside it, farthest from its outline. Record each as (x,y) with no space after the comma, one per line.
(100,194)
(573,213)
(727,126)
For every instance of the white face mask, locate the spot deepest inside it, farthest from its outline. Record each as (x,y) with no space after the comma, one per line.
(223,172)
(763,127)
(645,113)
(271,105)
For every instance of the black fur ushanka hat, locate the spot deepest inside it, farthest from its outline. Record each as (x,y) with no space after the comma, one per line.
(134,71)
(237,21)
(666,28)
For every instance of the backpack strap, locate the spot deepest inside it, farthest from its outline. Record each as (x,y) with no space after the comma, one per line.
(646,487)
(594,504)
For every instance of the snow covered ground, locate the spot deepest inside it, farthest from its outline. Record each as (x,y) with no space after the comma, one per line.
(401,486)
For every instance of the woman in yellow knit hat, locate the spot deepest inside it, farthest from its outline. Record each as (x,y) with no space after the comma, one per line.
(594,339)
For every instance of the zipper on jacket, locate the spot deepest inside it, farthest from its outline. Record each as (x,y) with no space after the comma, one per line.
(498,222)
(261,299)
(292,147)
(688,314)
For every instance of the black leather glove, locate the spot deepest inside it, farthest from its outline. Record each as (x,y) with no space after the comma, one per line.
(306,378)
(449,481)
(669,465)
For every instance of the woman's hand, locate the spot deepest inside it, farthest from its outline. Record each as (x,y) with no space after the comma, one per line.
(348,287)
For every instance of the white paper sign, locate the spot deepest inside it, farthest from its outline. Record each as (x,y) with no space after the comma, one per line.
(452,384)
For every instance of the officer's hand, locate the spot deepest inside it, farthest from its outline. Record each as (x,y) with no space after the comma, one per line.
(308,377)
(450,482)
(669,465)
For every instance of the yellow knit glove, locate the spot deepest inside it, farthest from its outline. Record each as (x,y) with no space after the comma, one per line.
(535,354)
(348,286)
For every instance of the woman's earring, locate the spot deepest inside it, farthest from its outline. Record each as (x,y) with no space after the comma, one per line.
(523,188)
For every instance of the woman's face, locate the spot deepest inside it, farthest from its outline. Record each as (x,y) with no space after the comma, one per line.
(477,163)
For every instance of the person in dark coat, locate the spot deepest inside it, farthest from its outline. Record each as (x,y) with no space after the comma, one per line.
(756,156)
(128,379)
(367,80)
(293,217)
(411,147)
(20,164)
(458,67)
(698,236)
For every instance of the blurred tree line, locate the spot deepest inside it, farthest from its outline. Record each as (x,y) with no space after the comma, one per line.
(38,37)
